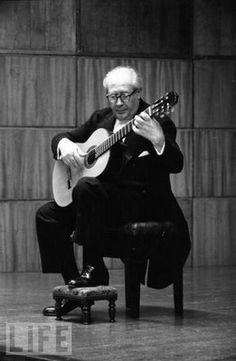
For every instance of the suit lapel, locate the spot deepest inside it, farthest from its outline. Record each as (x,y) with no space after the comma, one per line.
(135,144)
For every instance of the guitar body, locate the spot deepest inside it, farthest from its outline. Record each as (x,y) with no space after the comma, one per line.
(64,178)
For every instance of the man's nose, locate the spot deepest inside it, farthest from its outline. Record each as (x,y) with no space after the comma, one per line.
(119,101)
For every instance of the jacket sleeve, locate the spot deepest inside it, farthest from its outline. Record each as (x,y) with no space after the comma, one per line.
(172,158)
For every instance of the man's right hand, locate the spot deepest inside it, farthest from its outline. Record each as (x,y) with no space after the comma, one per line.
(70,153)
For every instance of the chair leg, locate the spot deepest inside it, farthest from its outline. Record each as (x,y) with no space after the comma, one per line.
(178,291)
(112,310)
(127,284)
(86,313)
(58,309)
(132,288)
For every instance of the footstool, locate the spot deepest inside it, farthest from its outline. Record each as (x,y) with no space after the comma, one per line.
(85,298)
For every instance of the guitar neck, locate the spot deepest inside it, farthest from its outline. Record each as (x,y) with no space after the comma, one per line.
(116,137)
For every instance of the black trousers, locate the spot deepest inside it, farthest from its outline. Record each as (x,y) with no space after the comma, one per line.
(95,205)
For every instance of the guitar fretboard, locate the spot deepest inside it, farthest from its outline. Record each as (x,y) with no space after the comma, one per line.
(113,139)
(120,134)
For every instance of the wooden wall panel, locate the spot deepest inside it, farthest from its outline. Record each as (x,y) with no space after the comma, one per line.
(27,163)
(37,91)
(37,25)
(159,76)
(214,231)
(18,243)
(186,206)
(182,182)
(214,163)
(151,27)
(214,27)
(215,93)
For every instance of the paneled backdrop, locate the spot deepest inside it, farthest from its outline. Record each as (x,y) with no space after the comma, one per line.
(53,57)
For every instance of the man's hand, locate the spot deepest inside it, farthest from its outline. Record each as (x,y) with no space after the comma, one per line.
(150,129)
(70,153)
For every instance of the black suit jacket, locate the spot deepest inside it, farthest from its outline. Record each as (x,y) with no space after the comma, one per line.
(152,171)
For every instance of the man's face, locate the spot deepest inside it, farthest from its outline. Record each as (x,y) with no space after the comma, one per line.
(123,109)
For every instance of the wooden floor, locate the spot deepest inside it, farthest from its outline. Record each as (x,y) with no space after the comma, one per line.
(206,332)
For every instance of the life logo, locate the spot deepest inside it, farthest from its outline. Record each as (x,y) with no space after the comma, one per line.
(38,338)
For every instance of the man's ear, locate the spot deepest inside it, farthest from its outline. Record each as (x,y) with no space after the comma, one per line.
(139,93)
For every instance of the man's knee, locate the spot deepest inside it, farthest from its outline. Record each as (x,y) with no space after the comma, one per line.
(44,212)
(85,186)
(170,228)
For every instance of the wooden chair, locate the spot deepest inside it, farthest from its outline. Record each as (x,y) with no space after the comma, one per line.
(142,237)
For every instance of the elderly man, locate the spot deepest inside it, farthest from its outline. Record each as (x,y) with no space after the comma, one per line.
(135,185)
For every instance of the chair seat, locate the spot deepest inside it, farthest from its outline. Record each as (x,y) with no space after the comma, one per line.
(145,229)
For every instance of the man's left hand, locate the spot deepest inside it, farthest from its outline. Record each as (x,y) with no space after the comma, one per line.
(150,129)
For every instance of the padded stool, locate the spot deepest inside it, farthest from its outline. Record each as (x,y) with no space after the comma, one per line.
(85,298)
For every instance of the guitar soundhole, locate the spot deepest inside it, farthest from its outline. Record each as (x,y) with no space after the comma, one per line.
(91,157)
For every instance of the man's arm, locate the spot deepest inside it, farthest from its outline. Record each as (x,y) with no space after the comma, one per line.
(78,135)
(161,132)
(64,145)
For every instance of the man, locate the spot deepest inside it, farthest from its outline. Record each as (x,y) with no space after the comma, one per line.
(135,186)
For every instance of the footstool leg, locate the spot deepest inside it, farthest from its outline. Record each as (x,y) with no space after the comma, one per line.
(58,309)
(86,314)
(112,310)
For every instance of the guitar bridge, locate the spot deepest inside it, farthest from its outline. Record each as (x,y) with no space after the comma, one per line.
(69,185)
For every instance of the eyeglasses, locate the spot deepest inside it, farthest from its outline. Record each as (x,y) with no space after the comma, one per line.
(124,97)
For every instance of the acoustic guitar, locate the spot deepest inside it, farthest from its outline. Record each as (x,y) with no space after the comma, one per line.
(96,153)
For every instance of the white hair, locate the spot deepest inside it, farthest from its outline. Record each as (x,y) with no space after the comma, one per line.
(119,73)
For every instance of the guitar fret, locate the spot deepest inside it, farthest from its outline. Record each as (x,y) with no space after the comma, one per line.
(118,134)
(97,152)
(105,145)
(113,140)
(115,137)
(123,132)
(109,142)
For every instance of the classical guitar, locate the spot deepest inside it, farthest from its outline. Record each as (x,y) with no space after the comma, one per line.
(96,152)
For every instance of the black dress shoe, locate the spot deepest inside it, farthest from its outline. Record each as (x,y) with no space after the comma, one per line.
(65,308)
(90,277)
(49,311)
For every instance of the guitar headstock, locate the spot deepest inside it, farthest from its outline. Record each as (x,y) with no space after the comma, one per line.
(165,104)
